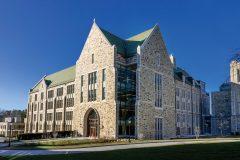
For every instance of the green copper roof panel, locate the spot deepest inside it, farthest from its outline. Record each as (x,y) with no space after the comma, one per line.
(60,77)
(141,36)
(115,40)
(129,46)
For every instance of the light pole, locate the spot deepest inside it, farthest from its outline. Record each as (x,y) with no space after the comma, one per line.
(10,134)
(129,129)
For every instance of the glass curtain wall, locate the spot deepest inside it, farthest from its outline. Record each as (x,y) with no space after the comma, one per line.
(126,97)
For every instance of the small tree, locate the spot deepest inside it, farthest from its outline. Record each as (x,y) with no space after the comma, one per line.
(197,132)
(55,134)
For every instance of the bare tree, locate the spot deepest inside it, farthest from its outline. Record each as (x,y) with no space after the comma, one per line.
(197,132)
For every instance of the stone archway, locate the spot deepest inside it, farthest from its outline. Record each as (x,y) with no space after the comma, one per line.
(92,123)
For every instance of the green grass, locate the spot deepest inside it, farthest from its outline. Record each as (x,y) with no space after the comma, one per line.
(213,151)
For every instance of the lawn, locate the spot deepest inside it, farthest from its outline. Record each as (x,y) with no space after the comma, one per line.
(214,151)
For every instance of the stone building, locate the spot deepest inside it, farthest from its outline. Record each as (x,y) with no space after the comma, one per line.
(118,88)
(191,99)
(226,104)
(12,126)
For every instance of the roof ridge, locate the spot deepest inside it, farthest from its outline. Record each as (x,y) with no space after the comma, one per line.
(138,37)
(112,34)
(59,71)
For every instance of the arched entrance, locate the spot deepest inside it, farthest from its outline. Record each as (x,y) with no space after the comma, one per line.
(92,124)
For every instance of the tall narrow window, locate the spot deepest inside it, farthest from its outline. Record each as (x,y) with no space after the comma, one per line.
(60,91)
(103,84)
(158,128)
(50,94)
(42,96)
(41,106)
(158,90)
(92,58)
(35,97)
(58,116)
(41,117)
(238,75)
(81,90)
(92,80)
(70,89)
(69,115)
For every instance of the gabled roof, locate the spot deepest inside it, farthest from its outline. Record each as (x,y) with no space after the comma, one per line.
(64,76)
(128,46)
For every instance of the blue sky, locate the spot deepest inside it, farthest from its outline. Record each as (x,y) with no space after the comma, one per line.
(41,37)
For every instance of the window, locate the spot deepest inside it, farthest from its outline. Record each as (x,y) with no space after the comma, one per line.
(70,102)
(69,115)
(42,96)
(59,103)
(70,89)
(57,127)
(35,107)
(177,104)
(41,106)
(58,116)
(49,127)
(60,91)
(103,84)
(188,106)
(68,127)
(238,75)
(35,97)
(92,80)
(158,90)
(49,117)
(30,98)
(50,105)
(183,105)
(178,118)
(40,127)
(41,117)
(50,94)
(158,128)
(92,58)
(177,92)
(81,90)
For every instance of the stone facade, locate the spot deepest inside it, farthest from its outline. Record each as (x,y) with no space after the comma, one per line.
(104,58)
(188,111)
(153,58)
(226,104)
(122,88)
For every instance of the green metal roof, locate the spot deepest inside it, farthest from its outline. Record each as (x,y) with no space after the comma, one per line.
(141,36)
(128,46)
(60,77)
(115,40)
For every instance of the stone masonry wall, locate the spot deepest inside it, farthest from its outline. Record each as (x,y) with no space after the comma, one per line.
(153,58)
(104,55)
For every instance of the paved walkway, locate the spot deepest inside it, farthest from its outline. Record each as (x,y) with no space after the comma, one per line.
(114,147)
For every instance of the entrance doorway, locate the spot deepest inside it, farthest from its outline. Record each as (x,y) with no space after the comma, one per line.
(92,124)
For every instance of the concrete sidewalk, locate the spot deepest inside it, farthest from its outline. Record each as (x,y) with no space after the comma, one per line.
(113,147)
